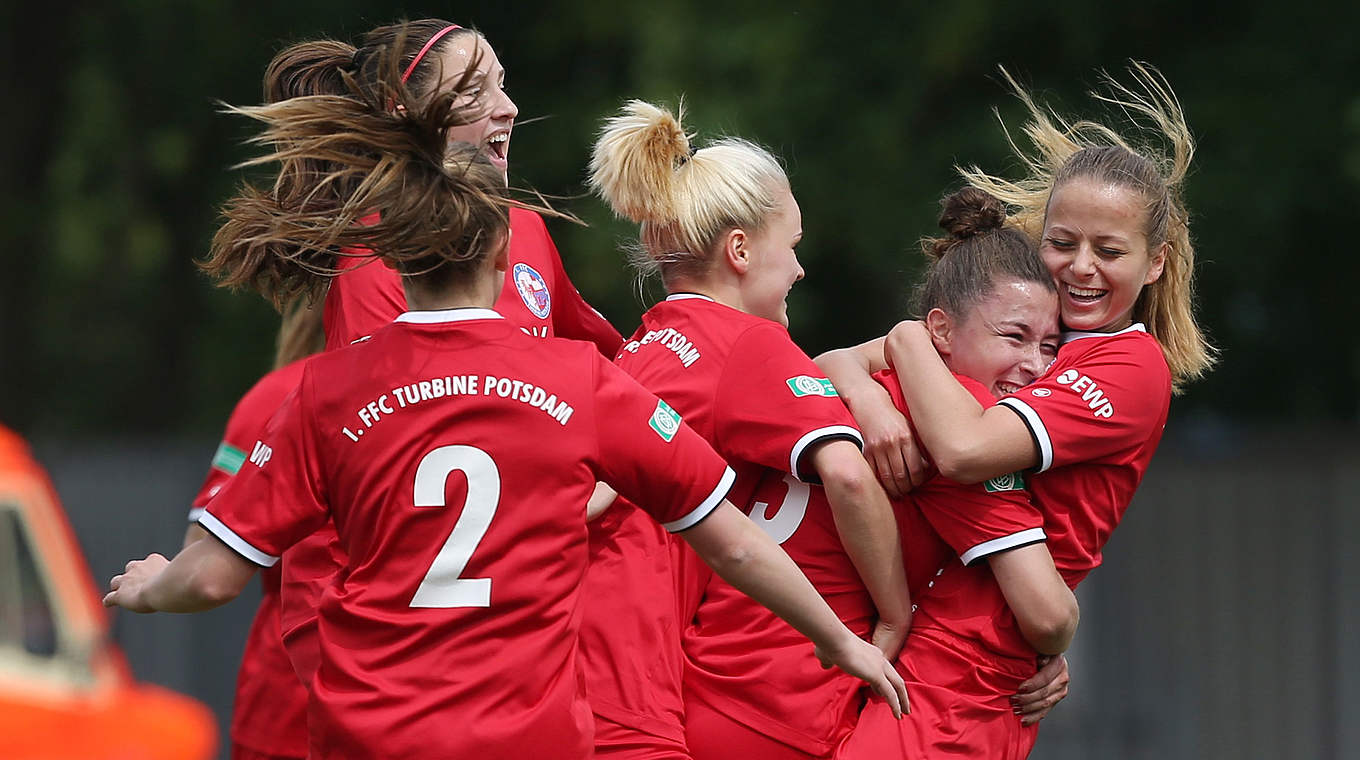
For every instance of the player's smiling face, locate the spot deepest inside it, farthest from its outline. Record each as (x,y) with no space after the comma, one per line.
(1095,245)
(490,132)
(774,266)
(1006,340)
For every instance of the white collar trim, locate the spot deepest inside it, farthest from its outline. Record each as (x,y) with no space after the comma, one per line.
(441,316)
(1071,336)
(688,296)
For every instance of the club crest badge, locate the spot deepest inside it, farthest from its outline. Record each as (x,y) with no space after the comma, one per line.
(533,290)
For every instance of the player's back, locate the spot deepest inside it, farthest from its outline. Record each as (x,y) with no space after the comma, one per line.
(458,479)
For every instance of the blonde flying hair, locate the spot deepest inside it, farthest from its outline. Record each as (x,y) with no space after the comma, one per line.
(644,167)
(1065,151)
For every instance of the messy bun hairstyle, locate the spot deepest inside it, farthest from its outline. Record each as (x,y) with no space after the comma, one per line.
(978,249)
(646,169)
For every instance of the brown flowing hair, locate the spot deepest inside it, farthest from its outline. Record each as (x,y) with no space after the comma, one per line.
(350,140)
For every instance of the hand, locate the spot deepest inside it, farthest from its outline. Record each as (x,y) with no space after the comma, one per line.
(891,450)
(889,637)
(865,661)
(1041,692)
(126,590)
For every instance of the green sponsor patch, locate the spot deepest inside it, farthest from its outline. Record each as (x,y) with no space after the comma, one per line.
(806,385)
(228,458)
(1012,482)
(665,421)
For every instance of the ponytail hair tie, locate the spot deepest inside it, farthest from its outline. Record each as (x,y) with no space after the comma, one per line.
(416,61)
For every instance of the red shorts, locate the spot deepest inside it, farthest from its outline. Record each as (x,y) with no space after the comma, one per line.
(620,742)
(960,708)
(242,752)
(712,735)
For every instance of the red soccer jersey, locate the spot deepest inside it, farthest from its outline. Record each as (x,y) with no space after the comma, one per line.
(760,671)
(1097,416)
(451,632)
(537,296)
(269,712)
(750,391)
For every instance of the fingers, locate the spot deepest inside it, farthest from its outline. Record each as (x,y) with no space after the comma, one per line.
(883,470)
(1039,710)
(1037,696)
(900,704)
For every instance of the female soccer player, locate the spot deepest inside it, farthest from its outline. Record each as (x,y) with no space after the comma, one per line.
(1114,232)
(720,224)
(269,711)
(364,295)
(455,455)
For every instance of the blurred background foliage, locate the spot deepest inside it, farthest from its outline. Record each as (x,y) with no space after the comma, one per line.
(116,158)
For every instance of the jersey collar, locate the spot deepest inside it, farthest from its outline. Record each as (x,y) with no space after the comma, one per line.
(441,316)
(688,297)
(1068,337)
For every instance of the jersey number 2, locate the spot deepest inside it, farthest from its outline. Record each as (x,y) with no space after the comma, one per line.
(442,586)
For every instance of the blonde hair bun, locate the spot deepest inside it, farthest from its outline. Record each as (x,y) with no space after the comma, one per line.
(634,162)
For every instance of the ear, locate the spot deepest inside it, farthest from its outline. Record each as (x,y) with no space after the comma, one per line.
(735,252)
(941,329)
(502,257)
(1158,258)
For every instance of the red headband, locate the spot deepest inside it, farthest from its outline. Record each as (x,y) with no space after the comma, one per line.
(416,61)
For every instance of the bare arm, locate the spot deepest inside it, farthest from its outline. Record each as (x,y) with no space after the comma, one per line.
(868,531)
(743,555)
(193,534)
(968,444)
(888,442)
(204,575)
(1043,604)
(601,500)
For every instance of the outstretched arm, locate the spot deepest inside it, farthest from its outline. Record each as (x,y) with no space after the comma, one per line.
(206,574)
(868,531)
(743,555)
(889,445)
(968,444)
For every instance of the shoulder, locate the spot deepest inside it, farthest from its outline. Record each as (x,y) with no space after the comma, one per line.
(1132,357)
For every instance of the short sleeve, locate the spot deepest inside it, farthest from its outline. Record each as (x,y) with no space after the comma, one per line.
(983,518)
(361,300)
(275,500)
(651,457)
(1108,399)
(773,404)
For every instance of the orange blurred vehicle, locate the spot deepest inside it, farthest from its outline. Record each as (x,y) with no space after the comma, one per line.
(66,692)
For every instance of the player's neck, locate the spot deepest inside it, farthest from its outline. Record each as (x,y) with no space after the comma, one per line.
(725,293)
(480,295)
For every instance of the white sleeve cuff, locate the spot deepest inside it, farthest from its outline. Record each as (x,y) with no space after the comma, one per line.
(817,436)
(195,513)
(709,504)
(235,542)
(1014,540)
(1036,429)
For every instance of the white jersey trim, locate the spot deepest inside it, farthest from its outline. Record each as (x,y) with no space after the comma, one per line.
(688,296)
(832,431)
(447,315)
(708,505)
(1027,536)
(1068,337)
(195,513)
(237,544)
(1036,429)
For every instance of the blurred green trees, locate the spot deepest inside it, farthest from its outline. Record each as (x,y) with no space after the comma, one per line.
(116,159)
